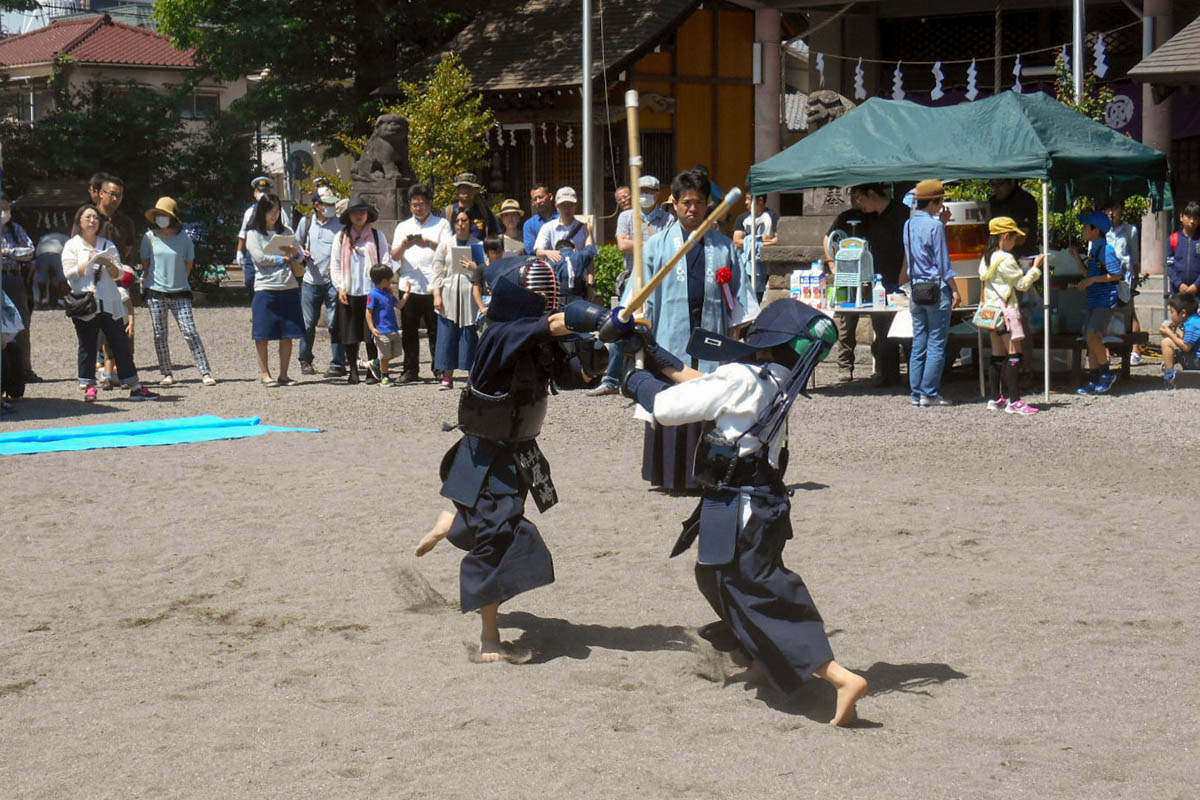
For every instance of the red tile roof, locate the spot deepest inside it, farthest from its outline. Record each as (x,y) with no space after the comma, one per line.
(93,40)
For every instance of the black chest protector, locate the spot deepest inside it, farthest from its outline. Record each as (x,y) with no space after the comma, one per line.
(516,415)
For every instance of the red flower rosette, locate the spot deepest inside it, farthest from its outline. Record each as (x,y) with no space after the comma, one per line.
(724,279)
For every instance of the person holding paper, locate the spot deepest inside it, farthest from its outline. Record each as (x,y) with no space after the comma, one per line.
(91,264)
(275,309)
(457,296)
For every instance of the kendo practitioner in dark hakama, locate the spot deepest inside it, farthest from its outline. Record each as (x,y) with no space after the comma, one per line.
(742,521)
(529,349)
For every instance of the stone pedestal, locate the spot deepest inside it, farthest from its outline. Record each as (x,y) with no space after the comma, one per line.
(388,195)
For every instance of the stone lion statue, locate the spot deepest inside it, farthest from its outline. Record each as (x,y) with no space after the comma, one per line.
(824,106)
(386,153)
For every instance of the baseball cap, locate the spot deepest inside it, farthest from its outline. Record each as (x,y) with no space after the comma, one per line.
(1097,219)
(649,183)
(565,195)
(1001,225)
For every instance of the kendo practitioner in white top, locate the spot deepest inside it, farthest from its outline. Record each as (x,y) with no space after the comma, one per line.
(528,349)
(742,521)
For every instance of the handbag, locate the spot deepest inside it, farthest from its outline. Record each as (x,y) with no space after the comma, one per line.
(989,317)
(924,293)
(82,304)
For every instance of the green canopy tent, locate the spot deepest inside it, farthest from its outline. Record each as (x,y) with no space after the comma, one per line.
(1008,135)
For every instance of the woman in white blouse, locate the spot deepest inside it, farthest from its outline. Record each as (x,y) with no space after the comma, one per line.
(356,248)
(457,297)
(91,265)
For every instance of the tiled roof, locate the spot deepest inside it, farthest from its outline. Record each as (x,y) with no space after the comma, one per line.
(1177,61)
(537,43)
(93,40)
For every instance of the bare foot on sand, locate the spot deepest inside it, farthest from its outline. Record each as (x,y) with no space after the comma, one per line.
(491,651)
(440,528)
(850,689)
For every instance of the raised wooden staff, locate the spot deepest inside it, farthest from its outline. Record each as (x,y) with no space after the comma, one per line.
(640,296)
(635,178)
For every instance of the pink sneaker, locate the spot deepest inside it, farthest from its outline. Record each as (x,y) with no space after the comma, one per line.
(90,394)
(1021,407)
(999,404)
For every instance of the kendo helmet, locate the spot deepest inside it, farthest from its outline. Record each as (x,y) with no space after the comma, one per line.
(788,327)
(522,286)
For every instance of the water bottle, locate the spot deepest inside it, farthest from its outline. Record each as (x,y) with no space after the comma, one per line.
(878,293)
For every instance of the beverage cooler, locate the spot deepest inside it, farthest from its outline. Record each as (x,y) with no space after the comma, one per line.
(967,236)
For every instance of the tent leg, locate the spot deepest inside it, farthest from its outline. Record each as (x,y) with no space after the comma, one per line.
(1046,289)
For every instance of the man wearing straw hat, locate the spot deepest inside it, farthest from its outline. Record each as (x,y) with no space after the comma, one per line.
(482,219)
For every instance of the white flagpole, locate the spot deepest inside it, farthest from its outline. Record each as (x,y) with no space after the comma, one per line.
(1046,287)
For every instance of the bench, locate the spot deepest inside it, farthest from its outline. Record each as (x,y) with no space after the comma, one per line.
(1066,341)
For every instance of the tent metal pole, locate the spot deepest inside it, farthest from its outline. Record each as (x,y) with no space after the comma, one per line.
(1077,37)
(1046,288)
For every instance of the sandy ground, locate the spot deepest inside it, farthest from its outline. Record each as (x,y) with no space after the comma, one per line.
(246,619)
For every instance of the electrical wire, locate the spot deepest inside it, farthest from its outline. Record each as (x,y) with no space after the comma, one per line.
(612,156)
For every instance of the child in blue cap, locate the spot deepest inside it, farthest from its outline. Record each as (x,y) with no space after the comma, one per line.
(1104,272)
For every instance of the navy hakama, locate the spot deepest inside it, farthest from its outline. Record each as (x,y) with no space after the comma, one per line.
(506,554)
(765,605)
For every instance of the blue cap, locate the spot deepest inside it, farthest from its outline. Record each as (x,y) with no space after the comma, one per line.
(1097,219)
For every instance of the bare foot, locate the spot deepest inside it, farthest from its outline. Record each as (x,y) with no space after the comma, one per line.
(491,650)
(849,692)
(440,528)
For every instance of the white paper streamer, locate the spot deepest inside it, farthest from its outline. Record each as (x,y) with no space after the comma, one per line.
(570,142)
(860,85)
(898,83)
(512,136)
(939,77)
(557,138)
(544,140)
(972,81)
(1017,76)
(1066,57)
(1099,51)
(821,67)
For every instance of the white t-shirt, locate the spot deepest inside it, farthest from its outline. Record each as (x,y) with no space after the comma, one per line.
(247,218)
(417,268)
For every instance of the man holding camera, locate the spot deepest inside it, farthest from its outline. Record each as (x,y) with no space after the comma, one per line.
(413,246)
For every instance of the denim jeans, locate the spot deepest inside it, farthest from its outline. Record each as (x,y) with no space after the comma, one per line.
(312,297)
(87,333)
(931,327)
(616,364)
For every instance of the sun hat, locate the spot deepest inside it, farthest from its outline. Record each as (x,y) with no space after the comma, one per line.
(164,205)
(998,226)
(510,206)
(467,179)
(358,204)
(261,182)
(931,189)
(649,183)
(565,195)
(1097,219)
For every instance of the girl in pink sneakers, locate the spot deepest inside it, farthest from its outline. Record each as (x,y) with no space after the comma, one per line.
(1001,277)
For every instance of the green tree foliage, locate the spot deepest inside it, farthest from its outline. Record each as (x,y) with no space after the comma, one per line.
(321,62)
(447,125)
(610,263)
(136,133)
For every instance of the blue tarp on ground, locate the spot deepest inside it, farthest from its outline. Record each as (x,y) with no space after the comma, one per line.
(136,434)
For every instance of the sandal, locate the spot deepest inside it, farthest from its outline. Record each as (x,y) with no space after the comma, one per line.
(270,384)
(208,380)
(286,381)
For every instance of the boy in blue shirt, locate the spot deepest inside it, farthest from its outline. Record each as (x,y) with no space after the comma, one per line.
(1104,272)
(381,319)
(1183,256)
(1180,337)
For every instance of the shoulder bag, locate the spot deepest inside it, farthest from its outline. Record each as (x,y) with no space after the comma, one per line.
(82,304)
(989,316)
(924,293)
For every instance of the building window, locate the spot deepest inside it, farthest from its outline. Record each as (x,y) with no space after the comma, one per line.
(20,107)
(200,106)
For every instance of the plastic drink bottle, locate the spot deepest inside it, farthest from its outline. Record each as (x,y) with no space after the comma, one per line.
(878,293)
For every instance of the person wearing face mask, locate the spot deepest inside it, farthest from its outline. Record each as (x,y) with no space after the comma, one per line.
(168,255)
(315,233)
(15,259)
(654,219)
(259,186)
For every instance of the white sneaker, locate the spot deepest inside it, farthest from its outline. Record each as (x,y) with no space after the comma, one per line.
(1135,359)
(167,381)
(936,400)
(999,404)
